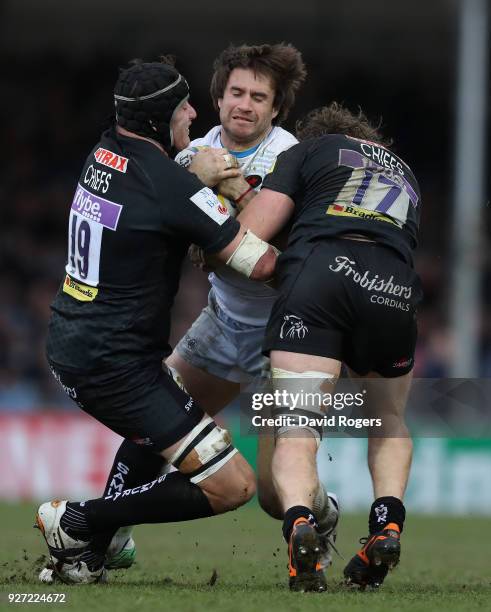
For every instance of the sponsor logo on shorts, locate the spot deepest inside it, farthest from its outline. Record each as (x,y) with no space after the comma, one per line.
(108,158)
(208,202)
(191,343)
(293,328)
(390,302)
(375,283)
(340,210)
(82,293)
(403,363)
(70,391)
(143,441)
(189,404)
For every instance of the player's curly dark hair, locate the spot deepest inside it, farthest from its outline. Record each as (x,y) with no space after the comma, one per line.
(282,63)
(336,119)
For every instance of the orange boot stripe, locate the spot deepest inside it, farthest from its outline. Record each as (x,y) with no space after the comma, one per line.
(299,521)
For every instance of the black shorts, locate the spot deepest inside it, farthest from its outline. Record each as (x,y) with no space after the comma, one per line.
(349,300)
(140,402)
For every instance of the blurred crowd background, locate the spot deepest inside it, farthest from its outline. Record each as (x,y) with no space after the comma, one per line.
(59,63)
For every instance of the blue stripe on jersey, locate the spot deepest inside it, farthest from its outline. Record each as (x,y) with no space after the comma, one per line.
(246,153)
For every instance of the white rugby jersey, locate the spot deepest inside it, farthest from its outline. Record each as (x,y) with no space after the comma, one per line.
(242,299)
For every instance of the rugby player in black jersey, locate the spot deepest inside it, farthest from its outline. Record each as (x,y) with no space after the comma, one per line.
(254,87)
(348,294)
(133,216)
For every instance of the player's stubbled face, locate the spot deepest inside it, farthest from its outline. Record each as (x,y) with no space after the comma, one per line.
(246,109)
(180,122)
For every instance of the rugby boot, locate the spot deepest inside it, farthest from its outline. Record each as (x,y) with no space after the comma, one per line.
(304,551)
(64,550)
(328,534)
(76,572)
(380,553)
(60,544)
(120,555)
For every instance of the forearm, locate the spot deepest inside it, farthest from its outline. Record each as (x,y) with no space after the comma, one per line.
(248,255)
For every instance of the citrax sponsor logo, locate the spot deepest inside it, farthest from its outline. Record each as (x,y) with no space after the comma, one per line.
(82,293)
(356,211)
(113,160)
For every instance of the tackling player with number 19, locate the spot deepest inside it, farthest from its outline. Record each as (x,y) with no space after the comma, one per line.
(110,321)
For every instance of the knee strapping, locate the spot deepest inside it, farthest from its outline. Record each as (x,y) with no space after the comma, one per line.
(204,451)
(301,395)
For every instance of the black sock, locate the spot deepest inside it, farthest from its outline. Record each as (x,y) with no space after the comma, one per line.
(294,513)
(132,466)
(167,499)
(386,510)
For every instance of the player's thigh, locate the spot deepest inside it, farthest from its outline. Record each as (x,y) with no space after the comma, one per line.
(300,362)
(139,401)
(211,392)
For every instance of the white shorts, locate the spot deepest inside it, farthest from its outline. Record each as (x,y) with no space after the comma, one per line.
(223,347)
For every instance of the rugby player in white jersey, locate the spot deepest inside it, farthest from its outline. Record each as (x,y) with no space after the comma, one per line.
(253,88)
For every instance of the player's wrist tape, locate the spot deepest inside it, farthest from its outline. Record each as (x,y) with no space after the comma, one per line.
(247,254)
(244,194)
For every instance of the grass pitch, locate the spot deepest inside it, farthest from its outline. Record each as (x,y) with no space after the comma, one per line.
(238,562)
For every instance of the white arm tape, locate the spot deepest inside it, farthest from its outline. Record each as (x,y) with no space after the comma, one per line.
(247,254)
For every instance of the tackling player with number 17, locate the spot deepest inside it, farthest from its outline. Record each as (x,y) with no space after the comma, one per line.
(348,292)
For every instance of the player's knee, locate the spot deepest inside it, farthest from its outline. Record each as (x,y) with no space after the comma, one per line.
(209,459)
(231,487)
(242,488)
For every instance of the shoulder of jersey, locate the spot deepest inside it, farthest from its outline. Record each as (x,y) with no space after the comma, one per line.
(210,139)
(280,140)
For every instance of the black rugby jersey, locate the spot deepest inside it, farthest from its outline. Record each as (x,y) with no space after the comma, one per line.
(342,185)
(133,216)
